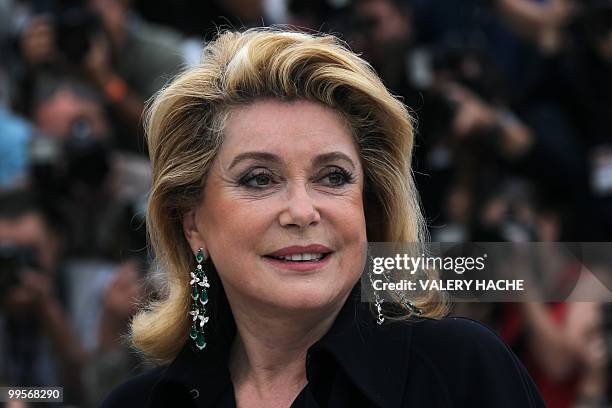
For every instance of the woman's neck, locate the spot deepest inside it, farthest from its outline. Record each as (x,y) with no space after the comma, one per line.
(268,354)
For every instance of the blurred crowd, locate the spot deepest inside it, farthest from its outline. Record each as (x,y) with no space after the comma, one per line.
(512,101)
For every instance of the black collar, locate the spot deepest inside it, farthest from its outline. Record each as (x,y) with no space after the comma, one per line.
(374,357)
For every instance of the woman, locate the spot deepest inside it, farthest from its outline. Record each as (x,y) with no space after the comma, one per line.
(275,161)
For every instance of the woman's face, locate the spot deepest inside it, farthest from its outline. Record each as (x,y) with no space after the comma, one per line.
(287,182)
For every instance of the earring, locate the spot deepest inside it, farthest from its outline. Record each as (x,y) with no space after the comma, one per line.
(380,319)
(199,297)
(415,310)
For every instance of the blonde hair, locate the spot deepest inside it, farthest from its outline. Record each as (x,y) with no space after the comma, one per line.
(184,125)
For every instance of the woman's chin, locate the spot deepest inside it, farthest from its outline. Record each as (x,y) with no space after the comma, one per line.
(305,297)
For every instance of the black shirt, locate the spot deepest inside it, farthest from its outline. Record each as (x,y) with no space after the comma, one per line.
(452,362)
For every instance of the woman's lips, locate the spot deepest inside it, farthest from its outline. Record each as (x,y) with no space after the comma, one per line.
(300,266)
(297,249)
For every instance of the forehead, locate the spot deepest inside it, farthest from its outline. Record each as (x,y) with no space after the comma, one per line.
(291,128)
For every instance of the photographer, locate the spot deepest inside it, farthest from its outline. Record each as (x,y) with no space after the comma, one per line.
(36,339)
(75,163)
(103,43)
(99,190)
(573,96)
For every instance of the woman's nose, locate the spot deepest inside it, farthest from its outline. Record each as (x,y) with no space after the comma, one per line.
(300,209)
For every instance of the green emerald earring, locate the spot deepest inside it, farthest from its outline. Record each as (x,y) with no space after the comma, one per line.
(199,299)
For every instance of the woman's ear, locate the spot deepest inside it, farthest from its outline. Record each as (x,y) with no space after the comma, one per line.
(191,231)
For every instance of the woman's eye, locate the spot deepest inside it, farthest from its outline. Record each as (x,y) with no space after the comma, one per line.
(337,178)
(260,179)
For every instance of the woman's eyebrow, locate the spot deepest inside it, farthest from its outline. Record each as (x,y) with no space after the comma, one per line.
(263,156)
(270,157)
(327,157)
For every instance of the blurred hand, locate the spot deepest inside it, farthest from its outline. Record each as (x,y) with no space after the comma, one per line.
(114,16)
(97,62)
(35,291)
(557,12)
(584,324)
(472,114)
(38,41)
(124,293)
(555,15)
(595,353)
(494,211)
(39,284)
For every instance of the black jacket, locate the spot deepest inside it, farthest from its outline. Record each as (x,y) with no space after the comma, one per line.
(452,362)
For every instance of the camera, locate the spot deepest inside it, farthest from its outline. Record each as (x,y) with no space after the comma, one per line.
(82,158)
(13,260)
(74,25)
(75,29)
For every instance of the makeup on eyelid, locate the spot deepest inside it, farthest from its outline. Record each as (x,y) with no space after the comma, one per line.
(253,174)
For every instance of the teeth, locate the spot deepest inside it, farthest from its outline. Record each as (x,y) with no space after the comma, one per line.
(301,257)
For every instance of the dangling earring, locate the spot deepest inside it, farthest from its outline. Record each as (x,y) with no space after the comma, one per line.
(199,297)
(380,319)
